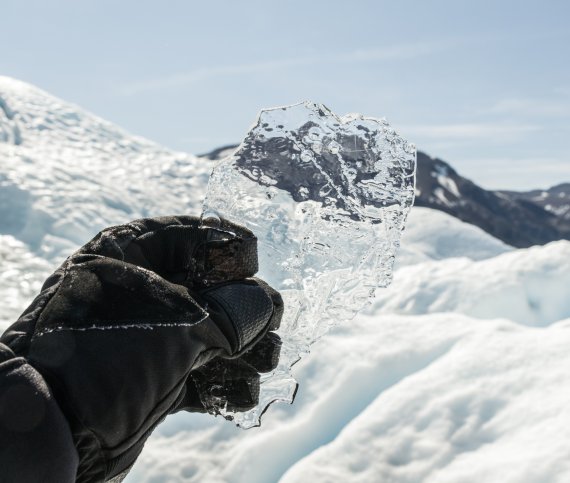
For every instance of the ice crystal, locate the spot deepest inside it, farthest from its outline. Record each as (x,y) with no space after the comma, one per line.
(327,197)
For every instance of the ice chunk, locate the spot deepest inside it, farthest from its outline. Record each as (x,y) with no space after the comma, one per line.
(327,197)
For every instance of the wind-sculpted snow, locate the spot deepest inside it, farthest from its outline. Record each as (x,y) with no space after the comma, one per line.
(527,286)
(327,198)
(70,173)
(493,407)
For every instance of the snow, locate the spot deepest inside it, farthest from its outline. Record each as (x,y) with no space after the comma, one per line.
(71,173)
(21,276)
(457,373)
(560,210)
(488,407)
(441,174)
(440,195)
(527,286)
(434,235)
(449,185)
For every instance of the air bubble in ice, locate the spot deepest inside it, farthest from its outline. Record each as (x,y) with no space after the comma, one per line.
(306,156)
(334,147)
(327,197)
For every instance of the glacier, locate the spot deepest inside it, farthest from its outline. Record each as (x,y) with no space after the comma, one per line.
(457,373)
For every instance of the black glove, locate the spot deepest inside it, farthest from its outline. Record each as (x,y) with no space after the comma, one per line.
(132,328)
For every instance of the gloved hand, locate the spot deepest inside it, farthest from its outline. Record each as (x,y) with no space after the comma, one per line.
(143,321)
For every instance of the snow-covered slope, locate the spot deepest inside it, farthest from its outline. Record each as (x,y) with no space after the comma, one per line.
(434,235)
(21,276)
(528,286)
(458,400)
(65,174)
(456,374)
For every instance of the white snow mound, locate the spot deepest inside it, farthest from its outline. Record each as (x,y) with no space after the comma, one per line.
(67,173)
(529,286)
(488,405)
(434,235)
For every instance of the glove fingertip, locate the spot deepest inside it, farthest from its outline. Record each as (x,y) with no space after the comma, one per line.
(276,300)
(247,306)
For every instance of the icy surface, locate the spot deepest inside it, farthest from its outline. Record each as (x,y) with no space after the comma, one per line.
(327,198)
(65,174)
(527,286)
(21,277)
(404,398)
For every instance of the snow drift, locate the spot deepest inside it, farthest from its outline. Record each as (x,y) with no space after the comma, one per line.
(457,373)
(65,174)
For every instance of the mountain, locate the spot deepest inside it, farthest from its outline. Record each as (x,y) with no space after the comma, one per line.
(519,219)
(455,374)
(509,216)
(555,200)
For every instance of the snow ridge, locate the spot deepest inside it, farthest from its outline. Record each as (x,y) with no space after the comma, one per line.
(66,158)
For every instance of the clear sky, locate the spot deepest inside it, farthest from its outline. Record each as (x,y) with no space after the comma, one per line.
(482,84)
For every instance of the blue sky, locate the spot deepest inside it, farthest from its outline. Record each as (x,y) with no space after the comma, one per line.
(484,85)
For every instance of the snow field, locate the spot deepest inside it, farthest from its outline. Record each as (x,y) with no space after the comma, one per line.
(491,407)
(527,286)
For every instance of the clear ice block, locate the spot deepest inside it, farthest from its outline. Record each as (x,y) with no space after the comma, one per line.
(327,197)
